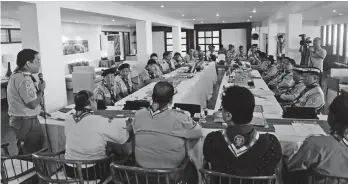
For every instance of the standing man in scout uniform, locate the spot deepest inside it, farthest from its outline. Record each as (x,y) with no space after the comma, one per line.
(24,99)
(292,93)
(104,93)
(312,95)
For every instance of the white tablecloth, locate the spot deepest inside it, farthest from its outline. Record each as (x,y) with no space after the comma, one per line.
(263,95)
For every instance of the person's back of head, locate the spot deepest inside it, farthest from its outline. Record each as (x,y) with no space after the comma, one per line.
(338,115)
(238,105)
(163,93)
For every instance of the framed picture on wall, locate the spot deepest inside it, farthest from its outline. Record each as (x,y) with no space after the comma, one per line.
(75,47)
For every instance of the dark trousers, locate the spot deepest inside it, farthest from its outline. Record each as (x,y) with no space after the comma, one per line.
(29,134)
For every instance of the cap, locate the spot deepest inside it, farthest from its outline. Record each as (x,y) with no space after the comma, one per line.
(108,71)
(304,69)
(123,66)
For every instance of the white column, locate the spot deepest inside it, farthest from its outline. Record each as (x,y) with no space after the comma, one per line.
(263,33)
(41,31)
(176,31)
(272,38)
(144,41)
(293,28)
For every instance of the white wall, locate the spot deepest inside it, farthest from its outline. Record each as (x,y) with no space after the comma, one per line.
(158,43)
(311,29)
(235,37)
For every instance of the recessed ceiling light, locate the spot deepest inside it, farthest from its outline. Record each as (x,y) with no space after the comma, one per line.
(320,18)
(217,15)
(254,10)
(77,21)
(340,14)
(162,6)
(113,20)
(193,19)
(334,11)
(223,21)
(250,16)
(248,20)
(202,22)
(183,15)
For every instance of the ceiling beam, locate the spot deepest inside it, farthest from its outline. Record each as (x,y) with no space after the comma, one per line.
(119,10)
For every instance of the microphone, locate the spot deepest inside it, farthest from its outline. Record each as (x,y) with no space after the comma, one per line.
(40,77)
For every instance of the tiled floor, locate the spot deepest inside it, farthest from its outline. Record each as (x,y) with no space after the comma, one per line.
(7,135)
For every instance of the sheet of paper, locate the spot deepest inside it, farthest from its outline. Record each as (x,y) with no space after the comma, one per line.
(58,115)
(285,130)
(306,129)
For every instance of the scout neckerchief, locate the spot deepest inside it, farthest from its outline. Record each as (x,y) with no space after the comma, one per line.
(294,86)
(160,67)
(113,99)
(154,109)
(151,73)
(79,117)
(171,65)
(304,92)
(126,82)
(242,142)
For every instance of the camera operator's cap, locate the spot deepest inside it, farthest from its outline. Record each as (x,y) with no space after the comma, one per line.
(299,68)
(108,71)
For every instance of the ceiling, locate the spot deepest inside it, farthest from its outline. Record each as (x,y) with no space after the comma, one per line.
(325,11)
(10,10)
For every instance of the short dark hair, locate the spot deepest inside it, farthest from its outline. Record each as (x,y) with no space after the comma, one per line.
(151,62)
(163,92)
(271,59)
(177,54)
(280,36)
(241,46)
(123,66)
(254,45)
(240,102)
(82,100)
(339,108)
(263,55)
(166,53)
(153,54)
(25,55)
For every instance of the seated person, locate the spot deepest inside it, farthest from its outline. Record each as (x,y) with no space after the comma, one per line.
(179,60)
(288,96)
(284,79)
(222,50)
(241,55)
(104,93)
(239,149)
(312,95)
(170,63)
(324,154)
(189,58)
(123,83)
(155,57)
(261,58)
(230,54)
(252,50)
(151,73)
(270,70)
(161,133)
(87,135)
(199,54)
(211,54)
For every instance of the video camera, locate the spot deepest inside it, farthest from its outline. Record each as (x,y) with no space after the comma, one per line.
(304,40)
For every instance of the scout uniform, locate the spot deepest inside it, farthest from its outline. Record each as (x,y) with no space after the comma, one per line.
(164,66)
(24,122)
(271,71)
(312,95)
(241,55)
(105,95)
(291,94)
(282,80)
(322,154)
(160,137)
(147,74)
(199,54)
(123,86)
(230,55)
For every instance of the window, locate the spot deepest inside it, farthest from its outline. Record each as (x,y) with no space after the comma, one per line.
(340,39)
(207,38)
(324,36)
(10,35)
(329,36)
(169,41)
(334,41)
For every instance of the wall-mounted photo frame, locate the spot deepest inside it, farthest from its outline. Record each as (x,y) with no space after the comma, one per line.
(75,47)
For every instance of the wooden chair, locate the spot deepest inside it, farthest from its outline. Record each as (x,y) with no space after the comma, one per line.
(332,84)
(212,177)
(16,168)
(326,179)
(52,168)
(122,174)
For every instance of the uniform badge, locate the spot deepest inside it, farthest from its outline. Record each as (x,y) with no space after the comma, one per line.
(28,84)
(239,140)
(31,92)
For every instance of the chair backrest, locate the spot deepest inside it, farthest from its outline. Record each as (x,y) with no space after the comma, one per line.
(137,175)
(53,168)
(326,179)
(332,84)
(212,177)
(15,166)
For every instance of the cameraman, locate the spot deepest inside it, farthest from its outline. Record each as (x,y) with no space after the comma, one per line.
(317,54)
